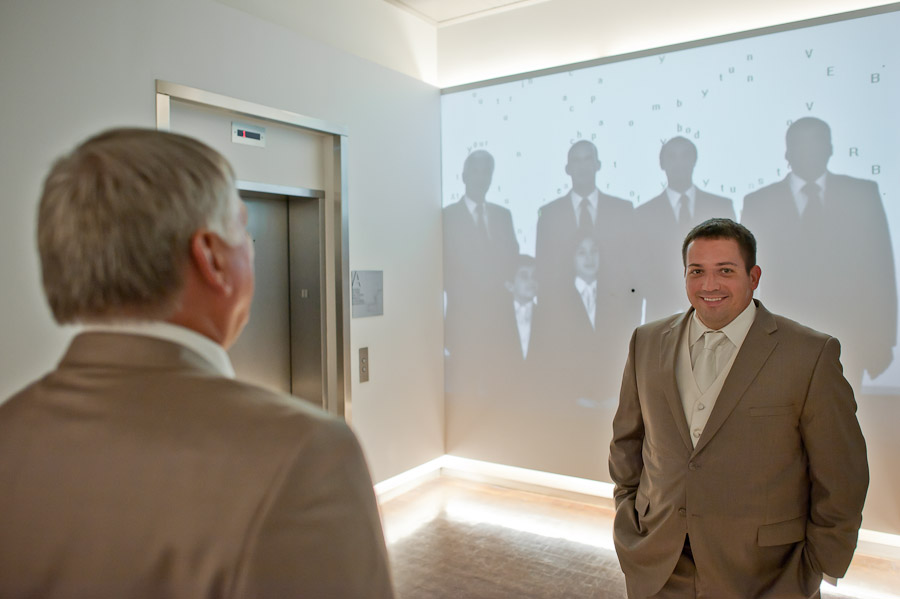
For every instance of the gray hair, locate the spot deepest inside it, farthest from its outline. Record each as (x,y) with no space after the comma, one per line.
(116,218)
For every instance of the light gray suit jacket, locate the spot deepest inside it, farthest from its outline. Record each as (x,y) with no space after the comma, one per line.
(135,470)
(772,495)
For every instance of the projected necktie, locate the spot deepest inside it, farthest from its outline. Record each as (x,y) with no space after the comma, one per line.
(813,209)
(584,218)
(684,210)
(480,222)
(705,371)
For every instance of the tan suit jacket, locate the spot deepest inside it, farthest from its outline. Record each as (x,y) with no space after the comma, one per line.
(135,470)
(772,495)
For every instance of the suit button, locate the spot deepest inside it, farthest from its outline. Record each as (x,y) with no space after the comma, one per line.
(682,511)
(701,407)
(693,466)
(697,433)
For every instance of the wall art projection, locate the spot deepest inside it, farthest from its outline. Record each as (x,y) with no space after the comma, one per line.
(567,196)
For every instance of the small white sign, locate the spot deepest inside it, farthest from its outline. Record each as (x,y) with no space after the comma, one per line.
(368,293)
(250,135)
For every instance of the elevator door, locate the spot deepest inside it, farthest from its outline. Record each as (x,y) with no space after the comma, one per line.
(281,346)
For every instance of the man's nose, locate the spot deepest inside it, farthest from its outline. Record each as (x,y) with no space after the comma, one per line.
(710,282)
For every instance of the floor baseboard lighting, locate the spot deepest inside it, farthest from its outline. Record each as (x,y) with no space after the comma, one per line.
(875,543)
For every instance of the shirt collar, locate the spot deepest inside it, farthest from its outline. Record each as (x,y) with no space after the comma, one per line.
(797,185)
(520,306)
(581,285)
(211,351)
(471,204)
(736,330)
(592,199)
(675,196)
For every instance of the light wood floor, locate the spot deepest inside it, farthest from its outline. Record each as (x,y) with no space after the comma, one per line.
(455,538)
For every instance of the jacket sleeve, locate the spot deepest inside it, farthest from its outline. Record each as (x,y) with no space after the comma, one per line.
(626,461)
(321,534)
(838,468)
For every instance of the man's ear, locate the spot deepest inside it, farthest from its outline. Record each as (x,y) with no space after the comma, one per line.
(209,260)
(755,274)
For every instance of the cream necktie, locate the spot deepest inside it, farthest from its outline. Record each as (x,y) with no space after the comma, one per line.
(705,370)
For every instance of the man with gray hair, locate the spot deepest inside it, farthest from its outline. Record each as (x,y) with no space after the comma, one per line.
(139,467)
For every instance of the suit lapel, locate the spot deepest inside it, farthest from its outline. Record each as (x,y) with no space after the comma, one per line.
(577,306)
(457,219)
(667,354)
(493,216)
(754,352)
(659,209)
(701,204)
(571,214)
(787,200)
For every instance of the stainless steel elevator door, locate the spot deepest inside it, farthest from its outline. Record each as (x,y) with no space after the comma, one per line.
(281,346)
(262,354)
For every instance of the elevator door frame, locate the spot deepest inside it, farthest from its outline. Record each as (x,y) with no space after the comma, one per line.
(334,232)
(304,252)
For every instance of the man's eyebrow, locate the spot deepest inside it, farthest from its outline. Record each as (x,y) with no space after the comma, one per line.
(716,264)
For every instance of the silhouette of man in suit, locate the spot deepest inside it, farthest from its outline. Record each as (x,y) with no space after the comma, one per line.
(665,220)
(139,467)
(480,248)
(813,224)
(585,210)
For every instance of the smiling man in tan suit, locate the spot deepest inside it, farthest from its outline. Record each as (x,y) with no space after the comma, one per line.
(140,467)
(739,464)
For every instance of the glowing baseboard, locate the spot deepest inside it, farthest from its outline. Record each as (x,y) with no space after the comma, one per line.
(510,473)
(396,484)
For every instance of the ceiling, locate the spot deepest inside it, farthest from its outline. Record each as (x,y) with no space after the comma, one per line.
(448,12)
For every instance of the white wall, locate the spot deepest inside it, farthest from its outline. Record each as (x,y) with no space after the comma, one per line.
(70,69)
(559,32)
(374,29)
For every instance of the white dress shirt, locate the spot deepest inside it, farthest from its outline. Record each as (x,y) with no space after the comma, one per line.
(698,405)
(588,293)
(675,198)
(524,314)
(592,199)
(472,205)
(800,199)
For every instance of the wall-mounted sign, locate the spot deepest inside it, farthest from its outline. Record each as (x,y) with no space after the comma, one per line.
(368,293)
(250,135)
